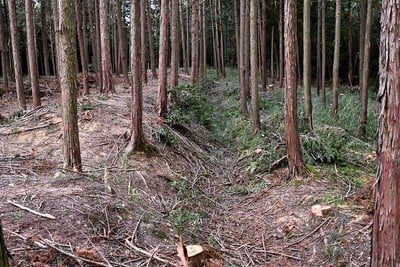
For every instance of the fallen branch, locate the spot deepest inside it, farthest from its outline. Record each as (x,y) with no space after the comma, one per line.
(147,253)
(45,215)
(309,234)
(31,129)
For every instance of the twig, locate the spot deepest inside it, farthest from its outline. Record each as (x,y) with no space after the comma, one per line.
(37,243)
(137,227)
(49,243)
(45,215)
(141,176)
(152,255)
(31,129)
(149,254)
(283,254)
(309,234)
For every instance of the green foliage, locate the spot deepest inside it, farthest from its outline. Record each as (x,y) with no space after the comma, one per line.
(184,220)
(165,136)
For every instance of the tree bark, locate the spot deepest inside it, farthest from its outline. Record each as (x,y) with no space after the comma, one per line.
(194,74)
(263,40)
(98,47)
(323,52)
(19,85)
(107,85)
(65,30)
(82,47)
(5,67)
(242,63)
(319,47)
(183,43)
(151,42)
(143,41)
(254,70)
(174,43)
(122,42)
(363,15)
(294,155)
(281,63)
(307,65)
(136,141)
(162,61)
(350,45)
(386,221)
(45,49)
(365,73)
(336,59)
(4,254)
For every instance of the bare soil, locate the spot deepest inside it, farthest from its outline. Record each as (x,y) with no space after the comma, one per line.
(186,186)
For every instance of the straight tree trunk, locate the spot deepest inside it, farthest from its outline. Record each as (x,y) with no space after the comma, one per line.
(336,58)
(183,43)
(307,64)
(65,30)
(98,46)
(82,48)
(272,54)
(281,43)
(237,33)
(19,85)
(151,44)
(3,250)
(44,39)
(162,61)
(319,47)
(107,85)
(254,72)
(221,52)
(350,45)
(365,73)
(5,67)
(294,155)
(242,65)
(323,52)
(194,75)
(263,40)
(136,141)
(204,60)
(143,41)
(363,15)
(174,43)
(122,43)
(386,221)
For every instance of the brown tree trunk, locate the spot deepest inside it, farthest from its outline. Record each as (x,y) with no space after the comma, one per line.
(5,67)
(174,43)
(221,51)
(281,60)
(307,64)
(242,63)
(122,43)
(386,221)
(365,73)
(82,47)
(254,64)
(107,85)
(323,52)
(183,43)
(19,85)
(272,54)
(350,45)
(194,75)
(98,47)
(4,254)
(294,155)
(204,37)
(143,41)
(263,40)
(319,47)
(363,15)
(162,61)
(336,58)
(136,140)
(237,34)
(151,44)
(45,49)
(65,30)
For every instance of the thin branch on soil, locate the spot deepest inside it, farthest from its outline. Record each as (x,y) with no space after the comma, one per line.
(77,258)
(149,254)
(31,129)
(37,243)
(137,227)
(152,255)
(309,234)
(45,215)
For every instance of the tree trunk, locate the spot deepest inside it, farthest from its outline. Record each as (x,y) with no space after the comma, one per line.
(263,40)
(98,47)
(194,75)
(5,67)
(151,44)
(281,43)
(323,52)
(272,54)
(183,43)
(19,85)
(307,65)
(174,43)
(82,48)
(162,61)
(4,254)
(221,51)
(122,42)
(107,85)
(254,72)
(336,58)
(242,65)
(204,60)
(363,15)
(65,29)
(350,45)
(45,49)
(365,73)
(386,221)
(294,155)
(143,41)
(319,47)
(136,140)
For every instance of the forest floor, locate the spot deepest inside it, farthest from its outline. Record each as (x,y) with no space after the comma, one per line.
(185,184)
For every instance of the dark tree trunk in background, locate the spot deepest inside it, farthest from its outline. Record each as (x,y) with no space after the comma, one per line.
(19,85)
(336,59)
(65,29)
(363,15)
(307,64)
(44,39)
(242,63)
(293,148)
(183,43)
(136,140)
(98,46)
(319,48)
(254,70)
(151,42)
(143,56)
(386,222)
(121,42)
(281,59)
(174,43)
(82,47)
(194,74)
(107,84)
(350,44)
(323,52)
(263,40)
(365,73)
(162,62)
(5,67)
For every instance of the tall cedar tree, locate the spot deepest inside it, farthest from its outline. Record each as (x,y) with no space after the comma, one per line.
(143,57)
(336,58)
(307,64)
(136,140)
(107,85)
(242,63)
(162,62)
(65,31)
(121,42)
(386,222)
(323,51)
(19,85)
(44,37)
(81,32)
(363,15)
(365,72)
(254,70)
(151,41)
(174,43)
(293,148)
(194,74)
(4,53)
